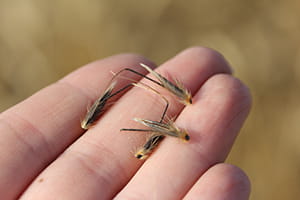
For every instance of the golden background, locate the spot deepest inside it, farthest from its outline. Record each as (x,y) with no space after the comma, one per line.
(41,41)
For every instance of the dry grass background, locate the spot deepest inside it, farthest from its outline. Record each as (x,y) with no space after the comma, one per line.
(41,41)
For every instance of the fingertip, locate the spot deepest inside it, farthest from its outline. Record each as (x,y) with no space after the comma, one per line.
(234,87)
(222,181)
(227,91)
(207,57)
(235,179)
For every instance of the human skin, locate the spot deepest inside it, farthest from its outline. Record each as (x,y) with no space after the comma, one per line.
(44,154)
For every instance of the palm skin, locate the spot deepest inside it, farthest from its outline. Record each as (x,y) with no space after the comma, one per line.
(45,155)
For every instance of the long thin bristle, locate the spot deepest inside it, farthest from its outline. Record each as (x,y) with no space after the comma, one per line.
(148,88)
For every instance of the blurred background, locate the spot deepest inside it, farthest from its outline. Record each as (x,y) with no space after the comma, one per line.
(41,41)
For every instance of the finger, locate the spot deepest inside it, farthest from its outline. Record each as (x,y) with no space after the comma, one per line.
(38,129)
(221,182)
(101,161)
(220,108)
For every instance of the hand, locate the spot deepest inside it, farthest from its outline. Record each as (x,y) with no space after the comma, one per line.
(45,155)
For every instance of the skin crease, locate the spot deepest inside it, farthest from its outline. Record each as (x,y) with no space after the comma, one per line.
(52,156)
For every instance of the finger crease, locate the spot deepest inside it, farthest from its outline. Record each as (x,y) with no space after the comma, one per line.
(29,129)
(79,89)
(102,165)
